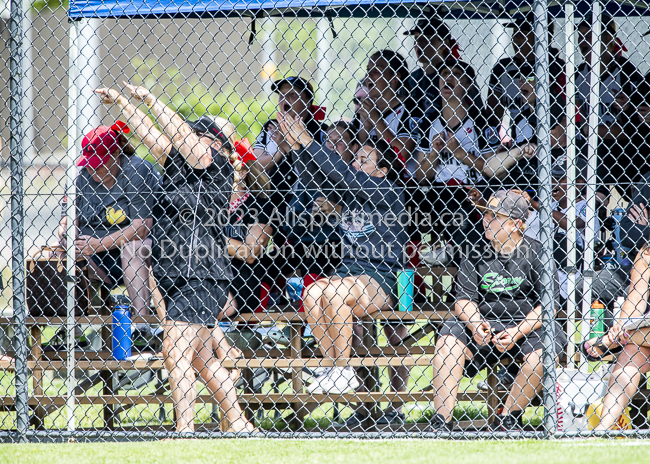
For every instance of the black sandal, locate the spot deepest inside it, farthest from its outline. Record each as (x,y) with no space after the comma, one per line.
(598,344)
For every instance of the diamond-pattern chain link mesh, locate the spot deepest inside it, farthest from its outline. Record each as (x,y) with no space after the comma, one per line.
(337,222)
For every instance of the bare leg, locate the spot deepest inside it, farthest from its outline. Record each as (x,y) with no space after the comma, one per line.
(623,383)
(158,301)
(315,315)
(337,302)
(97,273)
(136,260)
(179,353)
(527,383)
(218,381)
(331,305)
(222,347)
(448,365)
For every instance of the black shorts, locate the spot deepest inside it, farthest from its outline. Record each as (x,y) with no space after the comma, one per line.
(195,301)
(111,263)
(485,356)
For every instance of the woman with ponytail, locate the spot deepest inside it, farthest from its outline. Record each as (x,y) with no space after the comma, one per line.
(190,266)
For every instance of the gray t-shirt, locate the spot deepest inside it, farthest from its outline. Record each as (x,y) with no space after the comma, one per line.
(505,287)
(102,211)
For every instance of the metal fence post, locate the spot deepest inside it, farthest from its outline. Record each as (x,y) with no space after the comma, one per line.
(545,218)
(17,227)
(71,213)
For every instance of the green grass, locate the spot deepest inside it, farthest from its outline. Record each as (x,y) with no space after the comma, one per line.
(332,451)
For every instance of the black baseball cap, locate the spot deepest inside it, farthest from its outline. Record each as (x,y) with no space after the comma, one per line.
(296,82)
(607,21)
(205,125)
(526,23)
(431,27)
(468,70)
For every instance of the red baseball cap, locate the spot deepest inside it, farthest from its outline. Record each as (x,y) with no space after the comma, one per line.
(99,143)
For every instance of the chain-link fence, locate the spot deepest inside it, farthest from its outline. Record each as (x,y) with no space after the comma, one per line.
(369,219)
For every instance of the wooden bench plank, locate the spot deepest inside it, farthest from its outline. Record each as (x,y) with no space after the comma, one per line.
(426,311)
(298,363)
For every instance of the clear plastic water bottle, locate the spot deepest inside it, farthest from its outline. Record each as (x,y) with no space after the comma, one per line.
(621,252)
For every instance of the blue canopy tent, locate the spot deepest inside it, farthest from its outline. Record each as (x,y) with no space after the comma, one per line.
(447,9)
(461,9)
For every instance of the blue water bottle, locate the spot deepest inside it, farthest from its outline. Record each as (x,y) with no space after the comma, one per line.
(405,289)
(121,331)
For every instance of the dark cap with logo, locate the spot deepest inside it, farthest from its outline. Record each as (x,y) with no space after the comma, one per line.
(430,26)
(296,82)
(560,168)
(607,21)
(511,203)
(205,125)
(526,23)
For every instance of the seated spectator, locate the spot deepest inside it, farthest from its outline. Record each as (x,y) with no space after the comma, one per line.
(450,153)
(193,278)
(342,140)
(635,227)
(618,78)
(603,287)
(635,121)
(248,231)
(517,168)
(371,248)
(503,91)
(498,315)
(295,97)
(434,45)
(631,346)
(385,114)
(115,199)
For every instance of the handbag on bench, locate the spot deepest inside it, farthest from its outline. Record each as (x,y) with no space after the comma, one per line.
(46,284)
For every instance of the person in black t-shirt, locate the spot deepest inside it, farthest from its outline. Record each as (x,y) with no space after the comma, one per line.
(618,80)
(115,200)
(433,46)
(498,314)
(190,267)
(503,93)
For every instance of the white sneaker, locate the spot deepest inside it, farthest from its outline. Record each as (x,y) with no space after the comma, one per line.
(337,381)
(315,374)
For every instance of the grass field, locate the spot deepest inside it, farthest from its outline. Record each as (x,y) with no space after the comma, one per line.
(255,451)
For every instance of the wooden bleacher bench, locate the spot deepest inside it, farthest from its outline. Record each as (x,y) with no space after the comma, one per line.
(291,359)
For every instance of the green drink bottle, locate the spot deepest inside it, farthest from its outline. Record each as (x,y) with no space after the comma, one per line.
(597,319)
